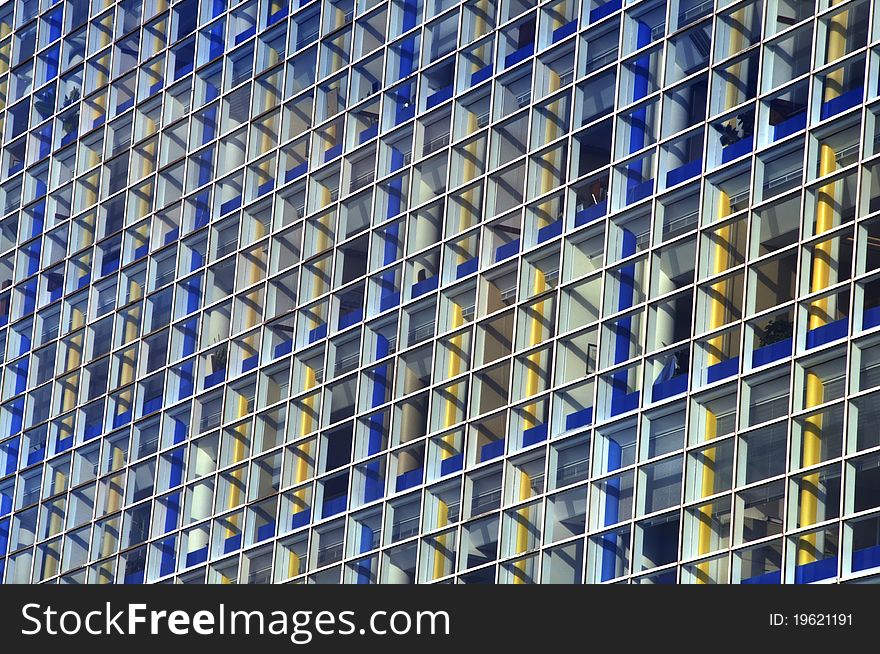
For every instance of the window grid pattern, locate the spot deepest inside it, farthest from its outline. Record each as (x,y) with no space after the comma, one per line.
(410,292)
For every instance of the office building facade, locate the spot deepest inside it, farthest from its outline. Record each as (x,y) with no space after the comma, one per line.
(417,291)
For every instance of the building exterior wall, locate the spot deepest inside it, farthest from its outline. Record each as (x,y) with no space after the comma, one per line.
(411,291)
